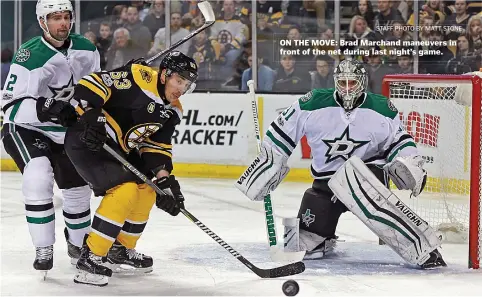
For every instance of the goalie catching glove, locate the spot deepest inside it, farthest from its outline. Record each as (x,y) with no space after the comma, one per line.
(407,173)
(264,174)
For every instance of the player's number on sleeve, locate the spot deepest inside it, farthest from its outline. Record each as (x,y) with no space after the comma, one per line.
(288,113)
(11,82)
(118,83)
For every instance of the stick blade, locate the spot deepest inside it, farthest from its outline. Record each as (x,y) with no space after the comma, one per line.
(207,11)
(286,270)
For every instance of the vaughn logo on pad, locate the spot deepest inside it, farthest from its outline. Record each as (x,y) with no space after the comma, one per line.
(408,213)
(248,171)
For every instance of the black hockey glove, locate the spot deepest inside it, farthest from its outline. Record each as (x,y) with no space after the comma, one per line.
(59,112)
(94,135)
(173,200)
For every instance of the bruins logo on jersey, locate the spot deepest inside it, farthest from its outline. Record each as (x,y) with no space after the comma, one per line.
(198,57)
(138,134)
(225,37)
(145,75)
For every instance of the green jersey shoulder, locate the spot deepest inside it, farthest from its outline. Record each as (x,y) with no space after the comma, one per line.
(81,43)
(323,98)
(318,99)
(380,104)
(33,54)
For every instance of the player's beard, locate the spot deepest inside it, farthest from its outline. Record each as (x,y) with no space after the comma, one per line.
(60,34)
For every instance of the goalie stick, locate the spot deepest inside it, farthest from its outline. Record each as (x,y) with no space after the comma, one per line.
(277,254)
(286,270)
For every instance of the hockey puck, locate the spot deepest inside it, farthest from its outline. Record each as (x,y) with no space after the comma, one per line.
(291,288)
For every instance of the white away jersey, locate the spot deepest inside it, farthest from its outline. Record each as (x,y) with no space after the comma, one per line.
(40,70)
(371,131)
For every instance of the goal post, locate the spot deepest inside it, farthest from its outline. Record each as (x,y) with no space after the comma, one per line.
(443,115)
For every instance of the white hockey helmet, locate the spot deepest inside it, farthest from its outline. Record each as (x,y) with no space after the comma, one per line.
(46,7)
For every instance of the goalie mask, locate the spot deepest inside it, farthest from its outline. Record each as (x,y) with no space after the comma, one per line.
(351,80)
(45,8)
(177,63)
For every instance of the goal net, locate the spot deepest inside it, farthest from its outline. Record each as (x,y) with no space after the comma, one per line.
(442,113)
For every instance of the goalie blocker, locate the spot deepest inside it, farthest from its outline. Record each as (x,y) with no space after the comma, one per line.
(388,217)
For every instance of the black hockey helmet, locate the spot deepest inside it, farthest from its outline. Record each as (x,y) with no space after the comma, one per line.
(177,62)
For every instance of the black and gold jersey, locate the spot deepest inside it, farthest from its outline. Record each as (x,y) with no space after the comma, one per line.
(131,98)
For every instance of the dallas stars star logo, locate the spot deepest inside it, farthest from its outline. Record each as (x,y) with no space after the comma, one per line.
(56,91)
(342,147)
(308,217)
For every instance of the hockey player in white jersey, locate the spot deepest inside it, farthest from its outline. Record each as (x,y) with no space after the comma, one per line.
(356,139)
(33,131)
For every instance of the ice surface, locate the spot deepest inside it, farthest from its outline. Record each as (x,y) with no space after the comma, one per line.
(188,262)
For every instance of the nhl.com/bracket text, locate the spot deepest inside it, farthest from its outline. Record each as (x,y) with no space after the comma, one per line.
(203,127)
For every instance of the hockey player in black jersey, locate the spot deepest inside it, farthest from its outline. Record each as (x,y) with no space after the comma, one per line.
(134,109)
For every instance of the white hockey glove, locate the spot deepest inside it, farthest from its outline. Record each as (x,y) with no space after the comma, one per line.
(263,175)
(407,173)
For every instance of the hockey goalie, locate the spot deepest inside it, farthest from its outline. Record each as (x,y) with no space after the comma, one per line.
(358,144)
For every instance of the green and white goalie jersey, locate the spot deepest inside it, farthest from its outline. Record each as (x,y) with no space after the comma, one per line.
(41,70)
(372,131)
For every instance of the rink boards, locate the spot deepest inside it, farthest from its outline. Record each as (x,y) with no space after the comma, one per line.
(216,137)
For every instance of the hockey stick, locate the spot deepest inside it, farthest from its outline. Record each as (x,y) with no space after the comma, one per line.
(209,19)
(286,270)
(276,253)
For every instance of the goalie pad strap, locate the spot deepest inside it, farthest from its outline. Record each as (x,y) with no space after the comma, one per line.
(381,211)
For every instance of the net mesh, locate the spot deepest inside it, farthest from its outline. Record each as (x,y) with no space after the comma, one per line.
(438,116)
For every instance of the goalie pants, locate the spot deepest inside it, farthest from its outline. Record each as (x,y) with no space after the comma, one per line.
(319,211)
(124,210)
(42,162)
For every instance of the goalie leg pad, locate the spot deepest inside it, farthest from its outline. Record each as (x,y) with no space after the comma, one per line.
(381,211)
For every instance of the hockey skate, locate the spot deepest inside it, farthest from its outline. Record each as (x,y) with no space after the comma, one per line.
(123,260)
(327,246)
(90,269)
(296,240)
(44,259)
(72,250)
(434,261)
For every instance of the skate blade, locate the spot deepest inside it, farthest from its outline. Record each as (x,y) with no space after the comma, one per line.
(433,266)
(43,274)
(83,277)
(127,269)
(314,255)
